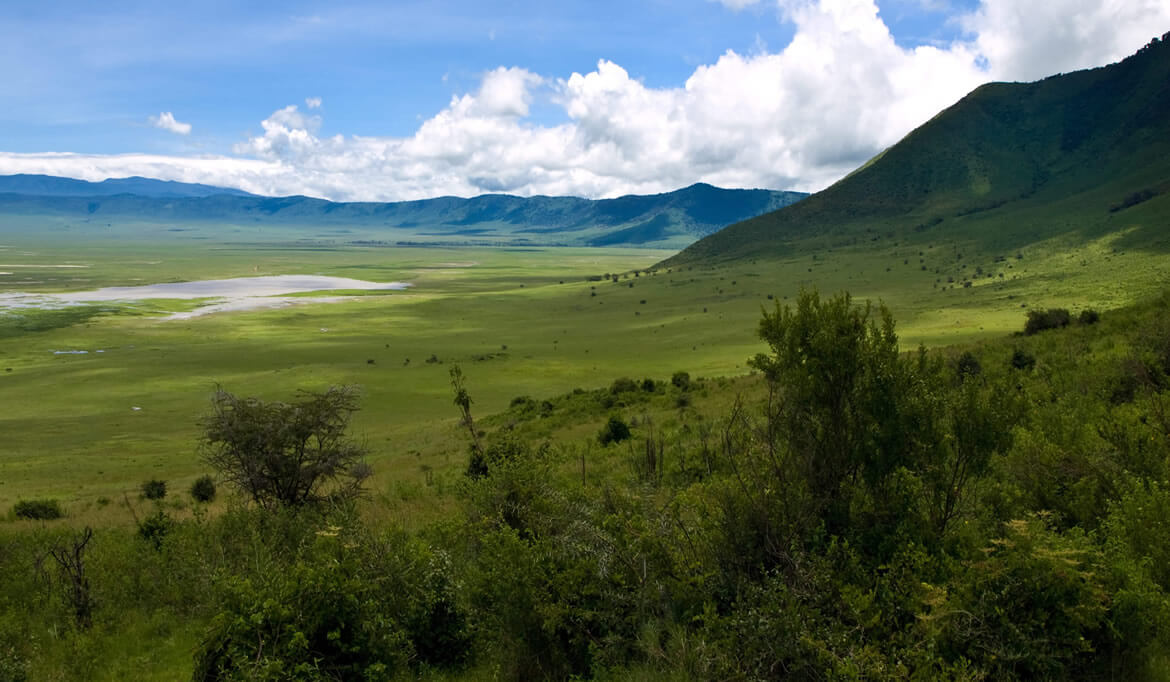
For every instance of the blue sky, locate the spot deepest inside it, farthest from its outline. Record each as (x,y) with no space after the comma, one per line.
(401,100)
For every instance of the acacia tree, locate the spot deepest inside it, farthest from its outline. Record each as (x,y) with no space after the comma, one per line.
(286,454)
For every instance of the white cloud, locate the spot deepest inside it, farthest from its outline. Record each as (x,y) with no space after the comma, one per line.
(313,102)
(261,177)
(166,121)
(287,133)
(802,117)
(1031,40)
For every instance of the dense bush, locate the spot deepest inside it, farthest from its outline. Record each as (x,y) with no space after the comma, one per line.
(354,606)
(1089,316)
(37,510)
(154,489)
(155,527)
(623,385)
(1031,609)
(1023,360)
(614,431)
(968,365)
(681,380)
(203,489)
(1040,320)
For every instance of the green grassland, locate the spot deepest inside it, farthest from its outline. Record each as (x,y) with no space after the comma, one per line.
(520,322)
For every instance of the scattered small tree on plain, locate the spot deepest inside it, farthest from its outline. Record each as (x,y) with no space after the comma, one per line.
(203,489)
(37,510)
(286,454)
(154,489)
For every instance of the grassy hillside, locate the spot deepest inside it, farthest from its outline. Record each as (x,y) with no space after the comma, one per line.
(1079,155)
(669,220)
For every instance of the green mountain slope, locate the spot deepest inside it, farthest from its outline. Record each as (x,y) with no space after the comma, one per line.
(669,220)
(1082,154)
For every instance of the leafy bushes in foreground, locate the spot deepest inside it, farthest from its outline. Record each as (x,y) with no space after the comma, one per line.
(352,607)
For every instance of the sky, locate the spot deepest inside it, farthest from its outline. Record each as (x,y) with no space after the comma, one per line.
(399,100)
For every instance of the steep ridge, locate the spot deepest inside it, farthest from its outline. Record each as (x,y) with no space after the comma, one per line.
(1081,153)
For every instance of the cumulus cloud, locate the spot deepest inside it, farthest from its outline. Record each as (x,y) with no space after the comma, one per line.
(288,133)
(1027,41)
(841,91)
(313,102)
(166,121)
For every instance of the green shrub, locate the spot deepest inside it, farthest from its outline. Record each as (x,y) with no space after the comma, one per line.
(203,489)
(1089,316)
(623,385)
(681,380)
(37,510)
(614,431)
(1040,320)
(154,489)
(968,365)
(648,385)
(1030,609)
(353,607)
(1023,360)
(155,527)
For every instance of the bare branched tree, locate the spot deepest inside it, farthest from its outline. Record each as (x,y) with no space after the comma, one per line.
(70,557)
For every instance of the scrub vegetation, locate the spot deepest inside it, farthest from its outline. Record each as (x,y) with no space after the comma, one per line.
(848,509)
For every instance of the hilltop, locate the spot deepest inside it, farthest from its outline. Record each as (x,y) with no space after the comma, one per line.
(1083,154)
(668,220)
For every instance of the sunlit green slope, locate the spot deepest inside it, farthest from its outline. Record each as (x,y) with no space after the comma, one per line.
(1085,154)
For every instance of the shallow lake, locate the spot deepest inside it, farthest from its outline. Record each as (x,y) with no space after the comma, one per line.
(240,293)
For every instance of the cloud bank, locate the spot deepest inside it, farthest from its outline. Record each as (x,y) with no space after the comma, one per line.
(799,118)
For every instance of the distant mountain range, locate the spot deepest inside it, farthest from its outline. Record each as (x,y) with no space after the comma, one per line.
(51,186)
(669,220)
(1076,156)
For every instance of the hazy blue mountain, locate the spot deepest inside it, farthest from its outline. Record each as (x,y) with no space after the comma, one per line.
(670,220)
(48,185)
